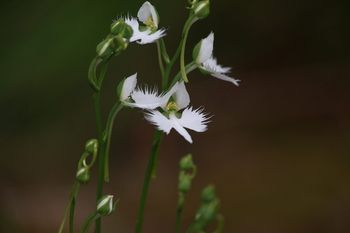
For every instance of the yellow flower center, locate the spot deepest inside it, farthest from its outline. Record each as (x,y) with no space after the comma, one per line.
(172,106)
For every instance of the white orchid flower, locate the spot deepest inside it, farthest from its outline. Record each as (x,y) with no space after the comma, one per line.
(148,33)
(192,119)
(203,57)
(149,99)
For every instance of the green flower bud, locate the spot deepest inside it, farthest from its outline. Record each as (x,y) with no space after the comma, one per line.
(91,146)
(184,182)
(105,205)
(83,175)
(106,48)
(186,162)
(119,27)
(208,194)
(201,9)
(207,212)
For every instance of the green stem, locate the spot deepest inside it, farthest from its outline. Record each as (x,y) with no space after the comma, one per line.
(189,67)
(92,74)
(155,163)
(154,151)
(189,230)
(161,66)
(186,29)
(102,154)
(179,211)
(88,222)
(108,131)
(71,203)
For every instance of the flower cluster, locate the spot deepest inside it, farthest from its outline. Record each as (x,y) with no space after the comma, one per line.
(170,109)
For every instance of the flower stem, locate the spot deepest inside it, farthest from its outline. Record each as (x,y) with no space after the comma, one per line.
(186,29)
(179,211)
(70,208)
(88,222)
(108,134)
(157,140)
(102,155)
(161,66)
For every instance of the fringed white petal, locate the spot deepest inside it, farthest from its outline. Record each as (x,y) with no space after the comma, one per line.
(218,71)
(144,37)
(176,123)
(147,98)
(158,119)
(194,119)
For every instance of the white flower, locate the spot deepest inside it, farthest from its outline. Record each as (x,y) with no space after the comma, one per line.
(206,62)
(148,98)
(149,33)
(192,119)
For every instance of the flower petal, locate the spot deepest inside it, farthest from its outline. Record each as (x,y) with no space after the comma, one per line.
(128,86)
(206,49)
(194,119)
(144,37)
(146,12)
(217,70)
(181,96)
(226,78)
(146,99)
(176,123)
(165,124)
(158,119)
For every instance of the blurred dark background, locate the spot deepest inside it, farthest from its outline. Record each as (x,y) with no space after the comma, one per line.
(277,149)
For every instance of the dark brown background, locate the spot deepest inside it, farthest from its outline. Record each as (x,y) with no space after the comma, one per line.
(277,149)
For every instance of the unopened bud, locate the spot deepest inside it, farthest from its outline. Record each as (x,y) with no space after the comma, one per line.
(186,162)
(119,27)
(83,175)
(105,205)
(208,194)
(91,145)
(106,48)
(207,212)
(201,9)
(184,183)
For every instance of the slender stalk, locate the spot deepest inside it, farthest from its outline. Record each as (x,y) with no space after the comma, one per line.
(179,211)
(154,151)
(189,67)
(155,163)
(187,27)
(160,60)
(88,221)
(189,230)
(108,131)
(102,154)
(72,197)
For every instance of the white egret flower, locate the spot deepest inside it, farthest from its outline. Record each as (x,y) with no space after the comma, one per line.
(171,117)
(148,33)
(203,57)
